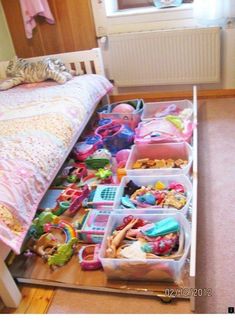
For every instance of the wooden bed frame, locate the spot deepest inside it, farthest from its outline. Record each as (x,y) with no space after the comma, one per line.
(91,62)
(84,62)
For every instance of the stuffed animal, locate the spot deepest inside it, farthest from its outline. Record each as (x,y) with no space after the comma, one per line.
(22,71)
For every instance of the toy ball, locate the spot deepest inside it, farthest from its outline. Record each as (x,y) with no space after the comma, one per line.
(123,108)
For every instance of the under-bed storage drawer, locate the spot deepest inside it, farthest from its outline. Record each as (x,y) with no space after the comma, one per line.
(147,269)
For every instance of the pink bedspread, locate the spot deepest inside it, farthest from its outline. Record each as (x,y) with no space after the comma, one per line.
(39,124)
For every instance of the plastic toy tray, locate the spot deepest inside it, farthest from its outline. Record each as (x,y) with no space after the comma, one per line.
(151,109)
(145,269)
(151,180)
(159,151)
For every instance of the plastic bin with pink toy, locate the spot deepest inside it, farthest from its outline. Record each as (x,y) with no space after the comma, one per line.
(125,112)
(155,250)
(147,194)
(167,129)
(159,159)
(183,108)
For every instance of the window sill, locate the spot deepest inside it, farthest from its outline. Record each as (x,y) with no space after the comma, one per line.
(109,20)
(186,9)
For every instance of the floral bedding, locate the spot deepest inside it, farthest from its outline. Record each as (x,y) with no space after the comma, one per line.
(39,124)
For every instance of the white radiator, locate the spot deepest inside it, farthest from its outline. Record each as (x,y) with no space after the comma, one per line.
(165,57)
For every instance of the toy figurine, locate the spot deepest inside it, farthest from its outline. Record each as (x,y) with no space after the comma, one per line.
(63,254)
(114,241)
(36,229)
(45,245)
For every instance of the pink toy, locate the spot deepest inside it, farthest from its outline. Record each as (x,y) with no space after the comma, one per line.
(128,112)
(163,131)
(83,150)
(162,245)
(122,156)
(75,196)
(170,109)
(88,257)
(177,187)
(123,108)
(93,227)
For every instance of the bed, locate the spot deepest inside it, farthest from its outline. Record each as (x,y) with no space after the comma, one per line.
(39,125)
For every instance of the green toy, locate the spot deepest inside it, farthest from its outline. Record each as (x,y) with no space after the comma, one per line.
(103,173)
(99,159)
(177,121)
(37,227)
(63,254)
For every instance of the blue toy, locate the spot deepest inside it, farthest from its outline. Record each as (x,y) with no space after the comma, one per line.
(165,226)
(115,136)
(102,197)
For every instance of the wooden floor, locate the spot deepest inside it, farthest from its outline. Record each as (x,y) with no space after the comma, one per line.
(35,300)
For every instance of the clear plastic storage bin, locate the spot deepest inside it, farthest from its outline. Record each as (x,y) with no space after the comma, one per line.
(159,151)
(151,180)
(151,109)
(131,119)
(145,269)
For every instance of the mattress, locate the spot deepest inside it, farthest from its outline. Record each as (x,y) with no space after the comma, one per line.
(39,124)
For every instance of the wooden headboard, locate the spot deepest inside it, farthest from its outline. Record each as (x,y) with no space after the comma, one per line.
(83,62)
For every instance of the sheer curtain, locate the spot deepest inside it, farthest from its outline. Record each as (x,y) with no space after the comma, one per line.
(214,11)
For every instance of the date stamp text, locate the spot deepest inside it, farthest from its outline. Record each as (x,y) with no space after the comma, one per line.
(188,292)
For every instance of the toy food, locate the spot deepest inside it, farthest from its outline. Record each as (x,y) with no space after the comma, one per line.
(147,163)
